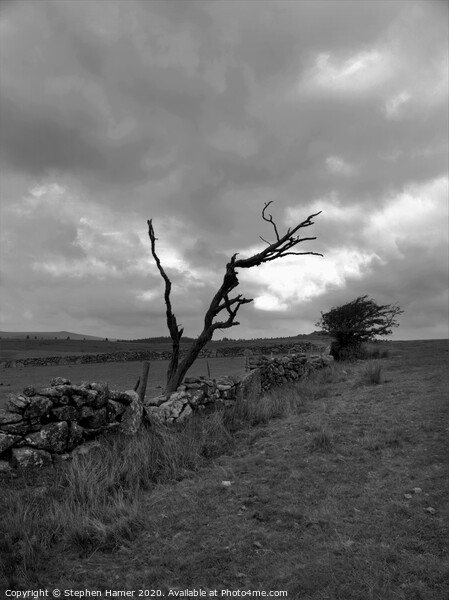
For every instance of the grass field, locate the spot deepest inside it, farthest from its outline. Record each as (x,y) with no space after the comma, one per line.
(335,489)
(16,349)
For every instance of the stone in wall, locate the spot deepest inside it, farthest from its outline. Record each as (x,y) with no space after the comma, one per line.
(7,440)
(132,416)
(51,437)
(30,457)
(250,387)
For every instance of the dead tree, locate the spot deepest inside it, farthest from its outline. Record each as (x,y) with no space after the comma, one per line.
(221,302)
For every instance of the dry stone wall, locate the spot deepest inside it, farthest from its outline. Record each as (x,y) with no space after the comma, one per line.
(279,370)
(82,359)
(44,425)
(199,393)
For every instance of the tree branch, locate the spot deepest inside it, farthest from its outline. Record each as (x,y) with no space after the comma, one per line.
(270,220)
(172,324)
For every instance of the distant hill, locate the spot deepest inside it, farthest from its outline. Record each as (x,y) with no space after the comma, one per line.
(46,335)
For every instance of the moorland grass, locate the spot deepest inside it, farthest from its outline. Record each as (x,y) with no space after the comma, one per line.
(319,497)
(372,373)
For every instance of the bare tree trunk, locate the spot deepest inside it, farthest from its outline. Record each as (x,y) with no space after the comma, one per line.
(221,301)
(178,375)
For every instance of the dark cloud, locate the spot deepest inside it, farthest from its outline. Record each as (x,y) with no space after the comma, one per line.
(197,113)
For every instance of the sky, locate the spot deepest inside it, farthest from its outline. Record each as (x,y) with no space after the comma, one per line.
(195,114)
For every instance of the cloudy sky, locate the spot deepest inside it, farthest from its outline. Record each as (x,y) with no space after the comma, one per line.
(195,114)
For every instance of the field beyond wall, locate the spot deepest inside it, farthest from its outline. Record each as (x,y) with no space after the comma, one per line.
(342,495)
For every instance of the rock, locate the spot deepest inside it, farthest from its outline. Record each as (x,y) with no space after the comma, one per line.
(92,398)
(114,410)
(59,381)
(52,437)
(7,440)
(21,427)
(5,467)
(79,390)
(7,417)
(430,510)
(38,407)
(50,392)
(66,390)
(30,391)
(196,398)
(102,391)
(17,403)
(64,413)
(417,490)
(86,412)
(185,414)
(30,457)
(157,401)
(154,415)
(75,436)
(223,388)
(132,417)
(175,407)
(77,400)
(98,418)
(178,396)
(123,397)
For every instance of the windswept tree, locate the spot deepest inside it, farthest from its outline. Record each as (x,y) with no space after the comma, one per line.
(222,302)
(356,322)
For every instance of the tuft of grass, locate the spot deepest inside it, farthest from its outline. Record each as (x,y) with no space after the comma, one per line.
(372,373)
(322,441)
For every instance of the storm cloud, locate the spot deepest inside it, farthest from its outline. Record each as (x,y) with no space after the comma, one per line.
(196,114)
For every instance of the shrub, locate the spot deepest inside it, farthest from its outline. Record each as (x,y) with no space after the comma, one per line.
(356,322)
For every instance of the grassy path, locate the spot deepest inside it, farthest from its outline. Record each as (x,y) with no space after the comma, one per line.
(345,497)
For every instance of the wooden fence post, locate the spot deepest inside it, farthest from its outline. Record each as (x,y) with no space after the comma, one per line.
(143,380)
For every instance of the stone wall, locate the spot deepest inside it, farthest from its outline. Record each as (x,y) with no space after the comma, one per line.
(197,393)
(279,370)
(40,426)
(81,359)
